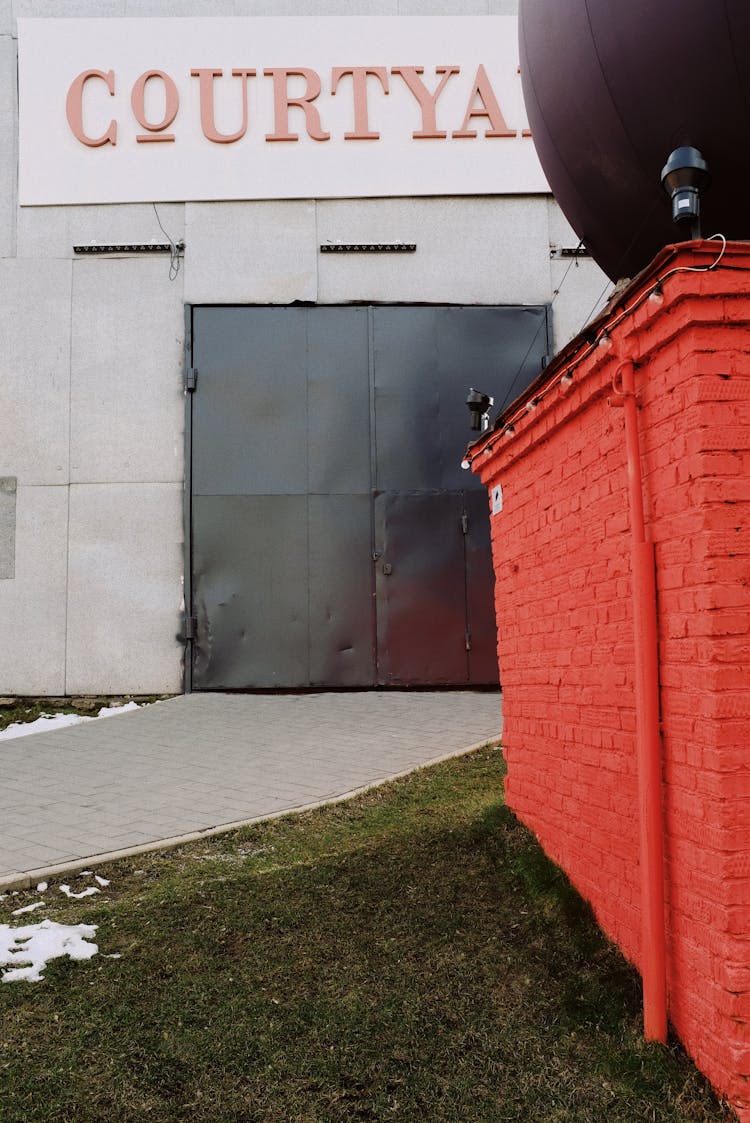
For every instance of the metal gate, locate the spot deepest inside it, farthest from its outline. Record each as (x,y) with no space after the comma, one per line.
(334,539)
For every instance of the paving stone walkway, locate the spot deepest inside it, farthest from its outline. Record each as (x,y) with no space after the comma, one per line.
(200,763)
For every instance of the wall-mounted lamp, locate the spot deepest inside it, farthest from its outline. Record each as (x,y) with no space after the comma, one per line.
(683,177)
(479,406)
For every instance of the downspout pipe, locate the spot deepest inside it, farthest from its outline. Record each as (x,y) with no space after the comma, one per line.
(648,734)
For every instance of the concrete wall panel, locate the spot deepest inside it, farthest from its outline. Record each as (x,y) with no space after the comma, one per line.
(262,8)
(246,253)
(580,289)
(32,604)
(53,231)
(34,377)
(582,296)
(469,250)
(178,8)
(54,9)
(127,404)
(443,7)
(8,143)
(125,588)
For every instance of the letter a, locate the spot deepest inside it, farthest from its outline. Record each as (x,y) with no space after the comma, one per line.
(489,108)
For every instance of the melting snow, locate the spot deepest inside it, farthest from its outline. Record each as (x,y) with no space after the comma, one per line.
(47,722)
(35,944)
(78,896)
(28,908)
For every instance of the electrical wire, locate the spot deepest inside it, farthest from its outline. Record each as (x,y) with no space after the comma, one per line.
(175,248)
(567,375)
(542,323)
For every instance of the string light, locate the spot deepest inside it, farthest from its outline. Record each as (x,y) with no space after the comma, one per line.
(654,295)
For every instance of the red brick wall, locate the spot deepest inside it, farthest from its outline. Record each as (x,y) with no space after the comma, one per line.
(565,635)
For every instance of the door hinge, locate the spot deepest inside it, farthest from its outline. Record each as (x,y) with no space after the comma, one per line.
(465,523)
(467,640)
(191,628)
(191,379)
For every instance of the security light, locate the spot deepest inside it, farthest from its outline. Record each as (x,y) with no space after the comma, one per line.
(683,177)
(479,406)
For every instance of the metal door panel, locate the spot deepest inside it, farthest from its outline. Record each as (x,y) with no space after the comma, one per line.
(250,582)
(250,405)
(497,350)
(338,401)
(480,590)
(407,404)
(420,589)
(426,358)
(342,608)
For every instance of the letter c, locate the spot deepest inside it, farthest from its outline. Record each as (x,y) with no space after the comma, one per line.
(74,108)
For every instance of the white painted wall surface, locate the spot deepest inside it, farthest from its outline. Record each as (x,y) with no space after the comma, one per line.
(91,403)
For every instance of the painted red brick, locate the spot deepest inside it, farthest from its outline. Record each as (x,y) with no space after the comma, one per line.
(561,549)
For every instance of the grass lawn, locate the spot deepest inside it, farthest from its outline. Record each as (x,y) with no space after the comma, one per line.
(409,955)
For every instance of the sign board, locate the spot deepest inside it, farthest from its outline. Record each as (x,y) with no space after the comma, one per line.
(140,110)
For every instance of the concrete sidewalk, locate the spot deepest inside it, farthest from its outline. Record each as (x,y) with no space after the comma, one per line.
(201,763)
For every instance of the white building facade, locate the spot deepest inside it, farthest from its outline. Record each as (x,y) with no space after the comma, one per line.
(93,367)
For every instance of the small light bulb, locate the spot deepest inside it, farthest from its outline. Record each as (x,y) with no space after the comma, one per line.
(566,381)
(656,297)
(605,342)
(532,404)
(509,430)
(465,463)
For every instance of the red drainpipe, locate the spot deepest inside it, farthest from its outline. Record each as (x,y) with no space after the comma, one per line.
(653,943)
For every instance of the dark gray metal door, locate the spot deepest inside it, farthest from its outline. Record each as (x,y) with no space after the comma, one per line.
(335,541)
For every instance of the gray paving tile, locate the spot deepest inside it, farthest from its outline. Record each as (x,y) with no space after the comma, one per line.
(200,761)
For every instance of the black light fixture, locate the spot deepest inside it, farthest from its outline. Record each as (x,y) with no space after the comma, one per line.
(683,177)
(369,247)
(479,407)
(131,247)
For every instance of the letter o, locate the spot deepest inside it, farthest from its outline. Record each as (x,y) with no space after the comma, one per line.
(138,102)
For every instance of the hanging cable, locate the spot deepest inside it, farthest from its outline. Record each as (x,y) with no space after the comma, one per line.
(175,250)
(566,379)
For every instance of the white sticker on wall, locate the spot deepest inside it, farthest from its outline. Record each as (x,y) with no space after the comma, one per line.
(497,499)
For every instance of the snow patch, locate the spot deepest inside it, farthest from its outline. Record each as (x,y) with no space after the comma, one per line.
(34,945)
(79,896)
(28,908)
(48,722)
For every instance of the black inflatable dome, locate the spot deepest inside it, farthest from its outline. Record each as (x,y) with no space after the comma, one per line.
(612,87)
